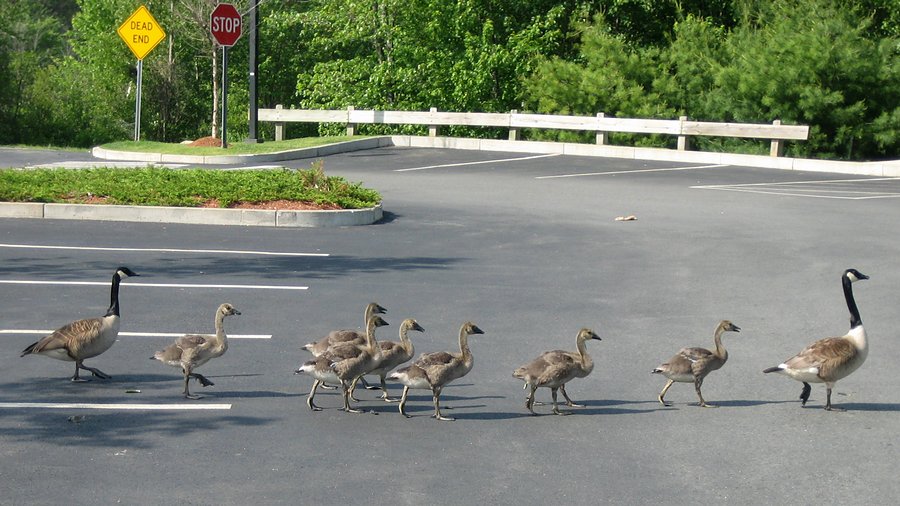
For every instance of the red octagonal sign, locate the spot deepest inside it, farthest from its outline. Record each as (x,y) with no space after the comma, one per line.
(225,24)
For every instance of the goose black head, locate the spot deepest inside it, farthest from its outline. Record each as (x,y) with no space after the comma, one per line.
(854,275)
(125,272)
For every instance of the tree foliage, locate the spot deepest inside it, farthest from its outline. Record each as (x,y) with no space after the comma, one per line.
(66,78)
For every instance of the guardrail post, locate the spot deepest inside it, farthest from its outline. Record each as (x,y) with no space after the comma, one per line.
(351,127)
(513,131)
(279,126)
(777,148)
(601,135)
(684,143)
(433,130)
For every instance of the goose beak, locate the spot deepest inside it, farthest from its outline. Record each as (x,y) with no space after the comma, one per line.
(735,328)
(476,330)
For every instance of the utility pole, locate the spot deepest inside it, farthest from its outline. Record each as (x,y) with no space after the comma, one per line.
(254,69)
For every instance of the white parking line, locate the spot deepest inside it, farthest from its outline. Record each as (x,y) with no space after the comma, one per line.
(152,285)
(638,171)
(165,250)
(137,334)
(115,406)
(838,189)
(480,162)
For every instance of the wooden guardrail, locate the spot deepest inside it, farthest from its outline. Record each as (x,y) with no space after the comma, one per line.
(514,121)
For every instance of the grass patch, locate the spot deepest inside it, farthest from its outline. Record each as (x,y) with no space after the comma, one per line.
(153,186)
(235,148)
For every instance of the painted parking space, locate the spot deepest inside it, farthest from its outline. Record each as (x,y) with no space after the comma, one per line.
(840,189)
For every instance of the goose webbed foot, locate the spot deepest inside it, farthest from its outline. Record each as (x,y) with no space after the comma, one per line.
(193,397)
(326,386)
(94,372)
(705,405)
(804,395)
(569,402)
(438,416)
(98,373)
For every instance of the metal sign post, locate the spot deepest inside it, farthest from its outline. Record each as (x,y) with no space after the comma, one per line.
(141,34)
(137,101)
(224,96)
(225,27)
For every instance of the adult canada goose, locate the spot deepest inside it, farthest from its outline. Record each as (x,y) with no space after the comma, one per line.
(691,365)
(833,358)
(434,370)
(193,350)
(343,336)
(343,363)
(83,339)
(393,354)
(553,369)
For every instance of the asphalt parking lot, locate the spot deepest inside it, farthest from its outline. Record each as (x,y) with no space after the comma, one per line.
(528,248)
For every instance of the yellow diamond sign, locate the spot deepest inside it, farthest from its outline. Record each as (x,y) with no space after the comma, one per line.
(141,32)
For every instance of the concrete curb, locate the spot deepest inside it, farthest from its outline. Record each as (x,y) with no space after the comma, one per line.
(198,216)
(279,156)
(880,169)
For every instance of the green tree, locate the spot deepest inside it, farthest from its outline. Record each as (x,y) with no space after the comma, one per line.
(812,62)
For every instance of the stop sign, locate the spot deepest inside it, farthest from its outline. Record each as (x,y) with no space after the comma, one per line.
(225,24)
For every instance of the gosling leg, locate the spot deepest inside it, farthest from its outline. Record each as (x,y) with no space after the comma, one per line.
(312,395)
(384,392)
(187,393)
(556,410)
(698,381)
(403,401)
(353,388)
(529,401)
(663,393)
(437,406)
(345,390)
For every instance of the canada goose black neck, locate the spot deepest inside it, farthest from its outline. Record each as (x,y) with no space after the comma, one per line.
(851,275)
(114,290)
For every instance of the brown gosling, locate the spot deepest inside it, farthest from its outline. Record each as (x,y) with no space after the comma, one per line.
(336,337)
(553,369)
(691,365)
(193,350)
(432,371)
(87,338)
(344,363)
(833,358)
(393,354)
